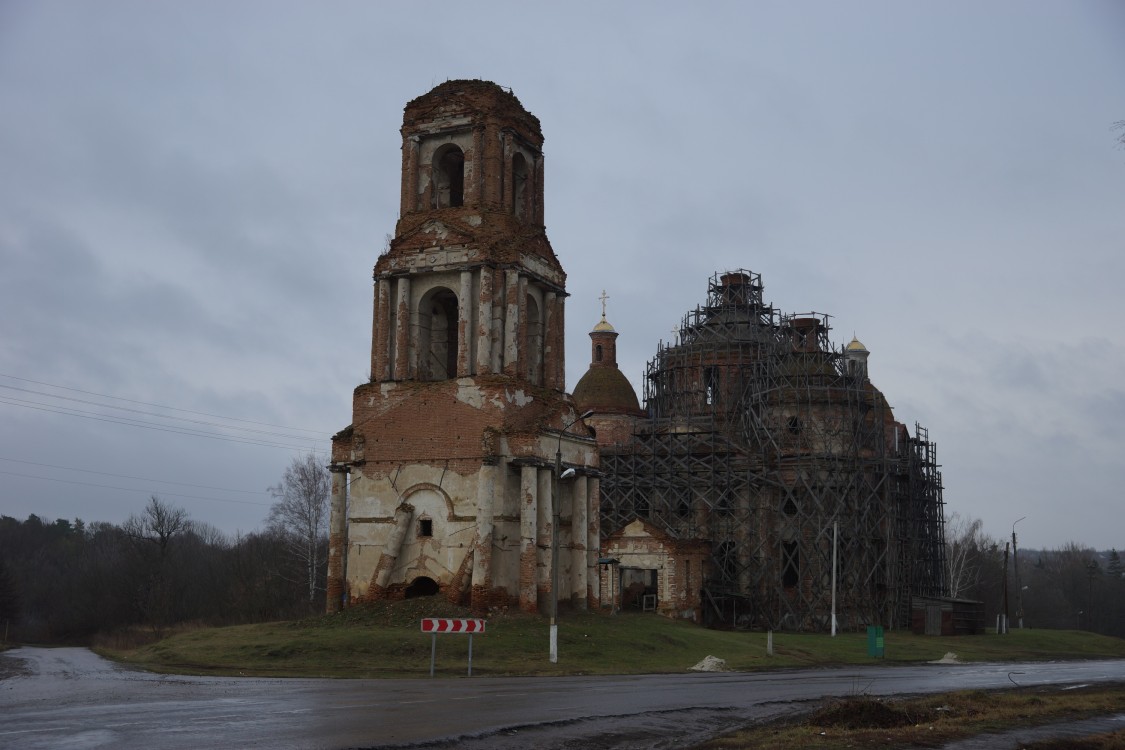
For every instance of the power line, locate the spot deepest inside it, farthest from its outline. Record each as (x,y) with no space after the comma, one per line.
(131,489)
(149,413)
(151,426)
(127,476)
(232,430)
(161,406)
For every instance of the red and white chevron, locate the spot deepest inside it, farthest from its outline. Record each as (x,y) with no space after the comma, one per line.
(451,625)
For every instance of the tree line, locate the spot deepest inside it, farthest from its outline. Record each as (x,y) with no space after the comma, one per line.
(66,581)
(1071,587)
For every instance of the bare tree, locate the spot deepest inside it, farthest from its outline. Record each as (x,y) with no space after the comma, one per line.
(301,516)
(159,524)
(158,580)
(965,542)
(9,600)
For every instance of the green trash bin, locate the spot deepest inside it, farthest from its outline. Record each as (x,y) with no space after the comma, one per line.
(875,641)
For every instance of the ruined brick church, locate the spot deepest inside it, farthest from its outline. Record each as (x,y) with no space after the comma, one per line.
(449,460)
(760,461)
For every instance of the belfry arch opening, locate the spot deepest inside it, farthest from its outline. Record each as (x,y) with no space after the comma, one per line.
(437,335)
(448,177)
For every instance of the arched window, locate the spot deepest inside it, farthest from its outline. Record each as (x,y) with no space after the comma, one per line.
(437,335)
(448,177)
(640,505)
(598,353)
(724,501)
(519,185)
(726,563)
(790,564)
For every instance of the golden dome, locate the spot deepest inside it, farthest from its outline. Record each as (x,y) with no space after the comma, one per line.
(603,326)
(855,345)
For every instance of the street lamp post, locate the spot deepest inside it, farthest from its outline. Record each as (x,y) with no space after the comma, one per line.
(1091,571)
(1016,569)
(555,516)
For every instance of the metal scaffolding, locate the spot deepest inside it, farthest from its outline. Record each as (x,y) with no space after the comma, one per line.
(767,441)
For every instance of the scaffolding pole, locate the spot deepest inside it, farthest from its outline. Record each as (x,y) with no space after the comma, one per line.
(761,438)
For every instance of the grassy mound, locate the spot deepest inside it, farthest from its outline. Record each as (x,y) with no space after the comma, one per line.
(384,639)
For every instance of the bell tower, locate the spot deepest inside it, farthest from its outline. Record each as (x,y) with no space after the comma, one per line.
(445,477)
(469,285)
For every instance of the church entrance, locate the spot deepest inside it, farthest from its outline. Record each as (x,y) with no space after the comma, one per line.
(421,586)
(638,589)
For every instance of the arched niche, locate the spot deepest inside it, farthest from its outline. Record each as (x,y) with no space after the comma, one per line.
(430,500)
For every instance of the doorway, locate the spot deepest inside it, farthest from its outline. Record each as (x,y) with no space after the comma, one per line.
(638,589)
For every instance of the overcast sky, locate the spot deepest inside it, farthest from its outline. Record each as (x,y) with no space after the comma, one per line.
(193,195)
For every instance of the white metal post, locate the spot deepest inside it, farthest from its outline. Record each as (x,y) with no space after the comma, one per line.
(835,532)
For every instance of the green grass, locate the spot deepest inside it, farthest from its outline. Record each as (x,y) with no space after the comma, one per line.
(385,641)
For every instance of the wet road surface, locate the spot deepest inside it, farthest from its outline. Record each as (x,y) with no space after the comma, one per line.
(71,698)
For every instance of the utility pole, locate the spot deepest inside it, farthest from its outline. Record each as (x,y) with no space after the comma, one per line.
(835,534)
(1004,621)
(555,519)
(1016,569)
(1091,572)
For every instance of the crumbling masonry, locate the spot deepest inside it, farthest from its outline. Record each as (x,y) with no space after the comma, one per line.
(444,477)
(765,443)
(760,448)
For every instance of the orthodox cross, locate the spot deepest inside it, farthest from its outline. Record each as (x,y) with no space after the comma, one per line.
(603,298)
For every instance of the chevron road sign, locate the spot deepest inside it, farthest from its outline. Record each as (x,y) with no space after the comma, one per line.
(451,625)
(435,625)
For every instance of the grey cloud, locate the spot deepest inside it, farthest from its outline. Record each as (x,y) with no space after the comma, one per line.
(193,197)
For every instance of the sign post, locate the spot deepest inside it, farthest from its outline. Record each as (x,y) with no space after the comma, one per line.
(435,625)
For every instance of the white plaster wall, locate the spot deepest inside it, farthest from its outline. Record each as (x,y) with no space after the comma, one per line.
(375,501)
(440,555)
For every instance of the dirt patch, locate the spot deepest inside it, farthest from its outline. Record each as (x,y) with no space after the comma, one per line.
(861,713)
(10,666)
(1106,741)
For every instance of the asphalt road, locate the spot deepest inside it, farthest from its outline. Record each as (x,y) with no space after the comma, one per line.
(71,698)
